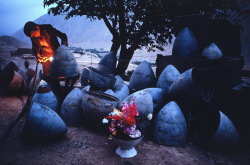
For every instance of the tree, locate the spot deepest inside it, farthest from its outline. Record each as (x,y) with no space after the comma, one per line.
(135,24)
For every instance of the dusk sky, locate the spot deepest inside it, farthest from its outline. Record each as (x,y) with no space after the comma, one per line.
(15,13)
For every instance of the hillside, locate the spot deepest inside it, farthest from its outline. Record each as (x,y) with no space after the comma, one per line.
(14,42)
(8,43)
(80,31)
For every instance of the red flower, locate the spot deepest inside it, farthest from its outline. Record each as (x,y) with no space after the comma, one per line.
(130,120)
(116,118)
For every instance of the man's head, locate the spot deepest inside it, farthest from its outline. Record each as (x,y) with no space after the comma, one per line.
(31,29)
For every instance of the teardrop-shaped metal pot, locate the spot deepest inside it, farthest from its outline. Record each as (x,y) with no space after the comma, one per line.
(185,44)
(71,109)
(100,80)
(216,131)
(107,63)
(170,126)
(43,124)
(194,85)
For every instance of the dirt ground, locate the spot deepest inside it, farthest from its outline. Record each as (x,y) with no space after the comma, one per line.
(83,146)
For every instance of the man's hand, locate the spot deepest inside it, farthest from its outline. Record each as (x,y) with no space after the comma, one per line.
(64,43)
(39,57)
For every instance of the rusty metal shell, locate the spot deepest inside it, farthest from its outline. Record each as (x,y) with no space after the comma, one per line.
(107,64)
(96,106)
(63,64)
(185,44)
(100,80)
(43,123)
(17,85)
(143,77)
(71,110)
(212,52)
(6,76)
(170,126)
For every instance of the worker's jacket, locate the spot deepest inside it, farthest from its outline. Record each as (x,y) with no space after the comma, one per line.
(50,34)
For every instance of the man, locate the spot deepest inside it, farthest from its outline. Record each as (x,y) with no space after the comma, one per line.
(44,42)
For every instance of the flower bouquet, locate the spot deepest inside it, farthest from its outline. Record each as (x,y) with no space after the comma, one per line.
(124,126)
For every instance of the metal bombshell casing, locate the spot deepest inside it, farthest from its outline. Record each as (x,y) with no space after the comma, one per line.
(224,136)
(45,97)
(170,126)
(158,97)
(167,77)
(212,52)
(17,85)
(85,77)
(63,64)
(121,92)
(185,44)
(118,83)
(192,85)
(7,75)
(96,106)
(107,64)
(71,109)
(143,77)
(43,123)
(101,80)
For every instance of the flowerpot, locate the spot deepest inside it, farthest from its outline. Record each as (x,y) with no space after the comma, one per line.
(126,148)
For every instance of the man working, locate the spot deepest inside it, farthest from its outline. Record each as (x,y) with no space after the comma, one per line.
(44,42)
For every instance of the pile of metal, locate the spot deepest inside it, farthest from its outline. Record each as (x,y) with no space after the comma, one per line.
(13,80)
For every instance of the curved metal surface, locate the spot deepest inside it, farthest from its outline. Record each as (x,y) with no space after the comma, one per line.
(63,64)
(193,85)
(71,109)
(170,126)
(96,106)
(43,123)
(46,98)
(85,77)
(212,52)
(185,44)
(100,80)
(143,77)
(107,64)
(167,77)
(158,97)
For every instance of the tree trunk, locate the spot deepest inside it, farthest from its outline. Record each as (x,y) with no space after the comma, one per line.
(124,59)
(116,44)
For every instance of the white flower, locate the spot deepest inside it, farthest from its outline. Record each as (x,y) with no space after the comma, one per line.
(105,121)
(150,116)
(135,134)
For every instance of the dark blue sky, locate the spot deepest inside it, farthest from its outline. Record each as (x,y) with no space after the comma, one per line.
(15,13)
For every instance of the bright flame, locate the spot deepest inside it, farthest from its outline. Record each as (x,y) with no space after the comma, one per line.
(51,58)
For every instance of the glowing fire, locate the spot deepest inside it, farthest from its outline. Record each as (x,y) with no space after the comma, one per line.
(45,59)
